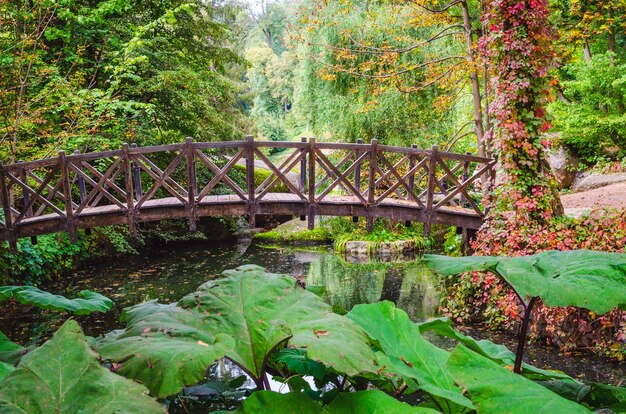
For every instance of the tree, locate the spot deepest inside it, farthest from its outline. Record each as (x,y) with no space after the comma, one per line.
(88,75)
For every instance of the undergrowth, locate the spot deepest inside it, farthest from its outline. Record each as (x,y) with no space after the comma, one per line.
(343,230)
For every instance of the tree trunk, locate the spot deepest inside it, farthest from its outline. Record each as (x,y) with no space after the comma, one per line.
(478,109)
(611,40)
(586,51)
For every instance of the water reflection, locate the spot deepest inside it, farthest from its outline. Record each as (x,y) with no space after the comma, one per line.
(409,285)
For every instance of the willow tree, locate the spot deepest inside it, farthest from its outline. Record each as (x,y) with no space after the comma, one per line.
(422,49)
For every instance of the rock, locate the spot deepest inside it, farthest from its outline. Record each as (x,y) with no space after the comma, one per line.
(592,181)
(382,251)
(564,166)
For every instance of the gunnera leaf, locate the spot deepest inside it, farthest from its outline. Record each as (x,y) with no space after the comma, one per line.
(362,402)
(581,278)
(87,303)
(496,390)
(163,346)
(258,310)
(10,352)
(5,369)
(495,352)
(408,355)
(64,376)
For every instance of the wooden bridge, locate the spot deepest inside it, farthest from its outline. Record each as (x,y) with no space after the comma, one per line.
(199,179)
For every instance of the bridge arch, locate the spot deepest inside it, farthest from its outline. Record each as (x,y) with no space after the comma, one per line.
(199,179)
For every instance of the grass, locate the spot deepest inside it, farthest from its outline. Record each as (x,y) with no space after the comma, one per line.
(342,231)
(319,234)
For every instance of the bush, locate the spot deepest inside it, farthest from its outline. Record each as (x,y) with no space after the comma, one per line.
(51,256)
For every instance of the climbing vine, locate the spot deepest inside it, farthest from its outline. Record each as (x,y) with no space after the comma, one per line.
(517,46)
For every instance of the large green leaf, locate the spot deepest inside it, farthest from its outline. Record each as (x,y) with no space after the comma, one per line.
(259,310)
(582,278)
(297,362)
(64,376)
(606,396)
(10,352)
(269,401)
(5,369)
(371,402)
(87,303)
(363,402)
(495,352)
(163,346)
(408,354)
(494,389)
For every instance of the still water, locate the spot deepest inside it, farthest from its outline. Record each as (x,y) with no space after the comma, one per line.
(169,273)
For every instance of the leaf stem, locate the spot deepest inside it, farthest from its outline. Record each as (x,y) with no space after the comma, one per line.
(521,339)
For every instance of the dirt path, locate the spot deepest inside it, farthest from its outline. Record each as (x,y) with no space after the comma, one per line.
(613,195)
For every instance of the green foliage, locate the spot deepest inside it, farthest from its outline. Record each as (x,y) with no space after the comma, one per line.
(267,323)
(64,376)
(5,369)
(10,352)
(453,243)
(593,123)
(405,353)
(82,76)
(372,401)
(52,255)
(494,389)
(87,303)
(164,347)
(581,278)
(342,230)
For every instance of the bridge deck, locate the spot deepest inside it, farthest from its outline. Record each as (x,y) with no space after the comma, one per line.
(232,205)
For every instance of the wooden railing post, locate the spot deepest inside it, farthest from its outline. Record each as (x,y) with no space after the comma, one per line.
(82,190)
(26,198)
(311,212)
(371,187)
(303,173)
(466,165)
(430,194)
(250,182)
(191,184)
(130,197)
(81,182)
(67,194)
(357,175)
(6,207)
(136,176)
(411,183)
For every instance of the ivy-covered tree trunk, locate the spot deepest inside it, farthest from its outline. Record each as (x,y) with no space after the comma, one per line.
(518,46)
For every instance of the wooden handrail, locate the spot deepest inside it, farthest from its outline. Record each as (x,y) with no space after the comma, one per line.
(181,180)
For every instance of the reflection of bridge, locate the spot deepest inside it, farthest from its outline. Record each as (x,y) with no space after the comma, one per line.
(199,179)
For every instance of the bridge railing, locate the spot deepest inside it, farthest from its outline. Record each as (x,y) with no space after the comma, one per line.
(128,181)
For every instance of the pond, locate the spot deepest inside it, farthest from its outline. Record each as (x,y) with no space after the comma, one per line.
(172,271)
